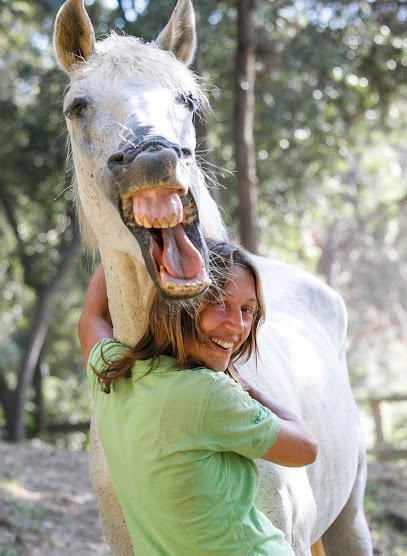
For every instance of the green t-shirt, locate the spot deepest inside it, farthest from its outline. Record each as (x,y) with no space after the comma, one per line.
(179,446)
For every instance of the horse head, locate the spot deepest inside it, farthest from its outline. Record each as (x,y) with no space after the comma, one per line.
(129,111)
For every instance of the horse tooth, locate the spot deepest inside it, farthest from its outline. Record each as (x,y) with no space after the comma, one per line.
(146,222)
(162,268)
(138,220)
(174,220)
(156,223)
(164,223)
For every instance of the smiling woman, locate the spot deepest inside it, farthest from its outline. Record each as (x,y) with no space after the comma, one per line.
(215,330)
(180,428)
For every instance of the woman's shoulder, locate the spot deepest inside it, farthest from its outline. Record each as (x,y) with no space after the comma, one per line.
(201,382)
(106,350)
(214,377)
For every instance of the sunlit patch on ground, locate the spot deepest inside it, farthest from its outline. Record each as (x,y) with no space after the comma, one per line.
(19,492)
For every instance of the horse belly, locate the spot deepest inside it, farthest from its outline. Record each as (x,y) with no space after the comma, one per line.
(300,367)
(333,474)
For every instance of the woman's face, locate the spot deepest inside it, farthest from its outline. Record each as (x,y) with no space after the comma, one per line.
(227,323)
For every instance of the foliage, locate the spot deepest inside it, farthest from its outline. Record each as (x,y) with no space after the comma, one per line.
(330,115)
(36,218)
(331,157)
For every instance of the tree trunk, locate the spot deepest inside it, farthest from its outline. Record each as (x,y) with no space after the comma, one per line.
(6,400)
(243,120)
(329,247)
(40,417)
(47,299)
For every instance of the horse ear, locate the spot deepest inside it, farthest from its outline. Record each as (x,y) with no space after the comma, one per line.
(74,38)
(179,35)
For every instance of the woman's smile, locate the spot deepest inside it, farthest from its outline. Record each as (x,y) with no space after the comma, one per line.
(222,343)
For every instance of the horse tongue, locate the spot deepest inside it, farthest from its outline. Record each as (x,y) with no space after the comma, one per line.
(180,257)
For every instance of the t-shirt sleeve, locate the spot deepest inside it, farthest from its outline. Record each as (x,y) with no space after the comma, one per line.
(235,422)
(104,350)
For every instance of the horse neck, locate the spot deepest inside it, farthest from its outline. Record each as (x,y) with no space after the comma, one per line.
(128,289)
(211,221)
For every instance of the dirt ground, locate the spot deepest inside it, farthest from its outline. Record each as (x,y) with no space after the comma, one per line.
(47,506)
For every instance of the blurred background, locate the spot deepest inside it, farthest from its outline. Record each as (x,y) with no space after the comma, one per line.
(306,153)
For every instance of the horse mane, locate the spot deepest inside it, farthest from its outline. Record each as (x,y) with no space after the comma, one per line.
(117,56)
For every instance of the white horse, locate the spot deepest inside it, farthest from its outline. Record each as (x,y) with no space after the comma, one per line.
(140,196)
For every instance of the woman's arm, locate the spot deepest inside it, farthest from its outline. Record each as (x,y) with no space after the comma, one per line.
(295,446)
(94,323)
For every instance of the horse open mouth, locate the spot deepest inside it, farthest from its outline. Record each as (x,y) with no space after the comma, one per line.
(166,225)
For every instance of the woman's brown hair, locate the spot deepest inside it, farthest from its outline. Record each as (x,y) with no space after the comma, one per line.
(173,325)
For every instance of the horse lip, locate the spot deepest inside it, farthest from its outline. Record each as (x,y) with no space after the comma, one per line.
(192,230)
(175,290)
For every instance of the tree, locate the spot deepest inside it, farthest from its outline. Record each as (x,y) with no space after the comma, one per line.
(243,124)
(41,243)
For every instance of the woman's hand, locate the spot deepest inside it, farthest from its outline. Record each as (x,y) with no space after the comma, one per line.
(94,323)
(295,445)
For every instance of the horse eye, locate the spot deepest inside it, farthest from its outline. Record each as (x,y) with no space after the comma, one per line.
(76,108)
(188,100)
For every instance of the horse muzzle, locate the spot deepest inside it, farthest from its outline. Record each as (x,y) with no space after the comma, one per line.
(148,164)
(158,207)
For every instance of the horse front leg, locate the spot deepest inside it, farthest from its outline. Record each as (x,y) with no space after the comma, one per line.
(111,516)
(349,534)
(285,497)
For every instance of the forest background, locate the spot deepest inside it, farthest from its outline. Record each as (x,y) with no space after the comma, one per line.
(306,141)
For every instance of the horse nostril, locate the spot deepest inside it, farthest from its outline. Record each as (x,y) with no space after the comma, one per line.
(128,153)
(120,158)
(186,153)
(117,159)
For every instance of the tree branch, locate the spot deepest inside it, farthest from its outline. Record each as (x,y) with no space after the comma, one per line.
(7,205)
(39,329)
